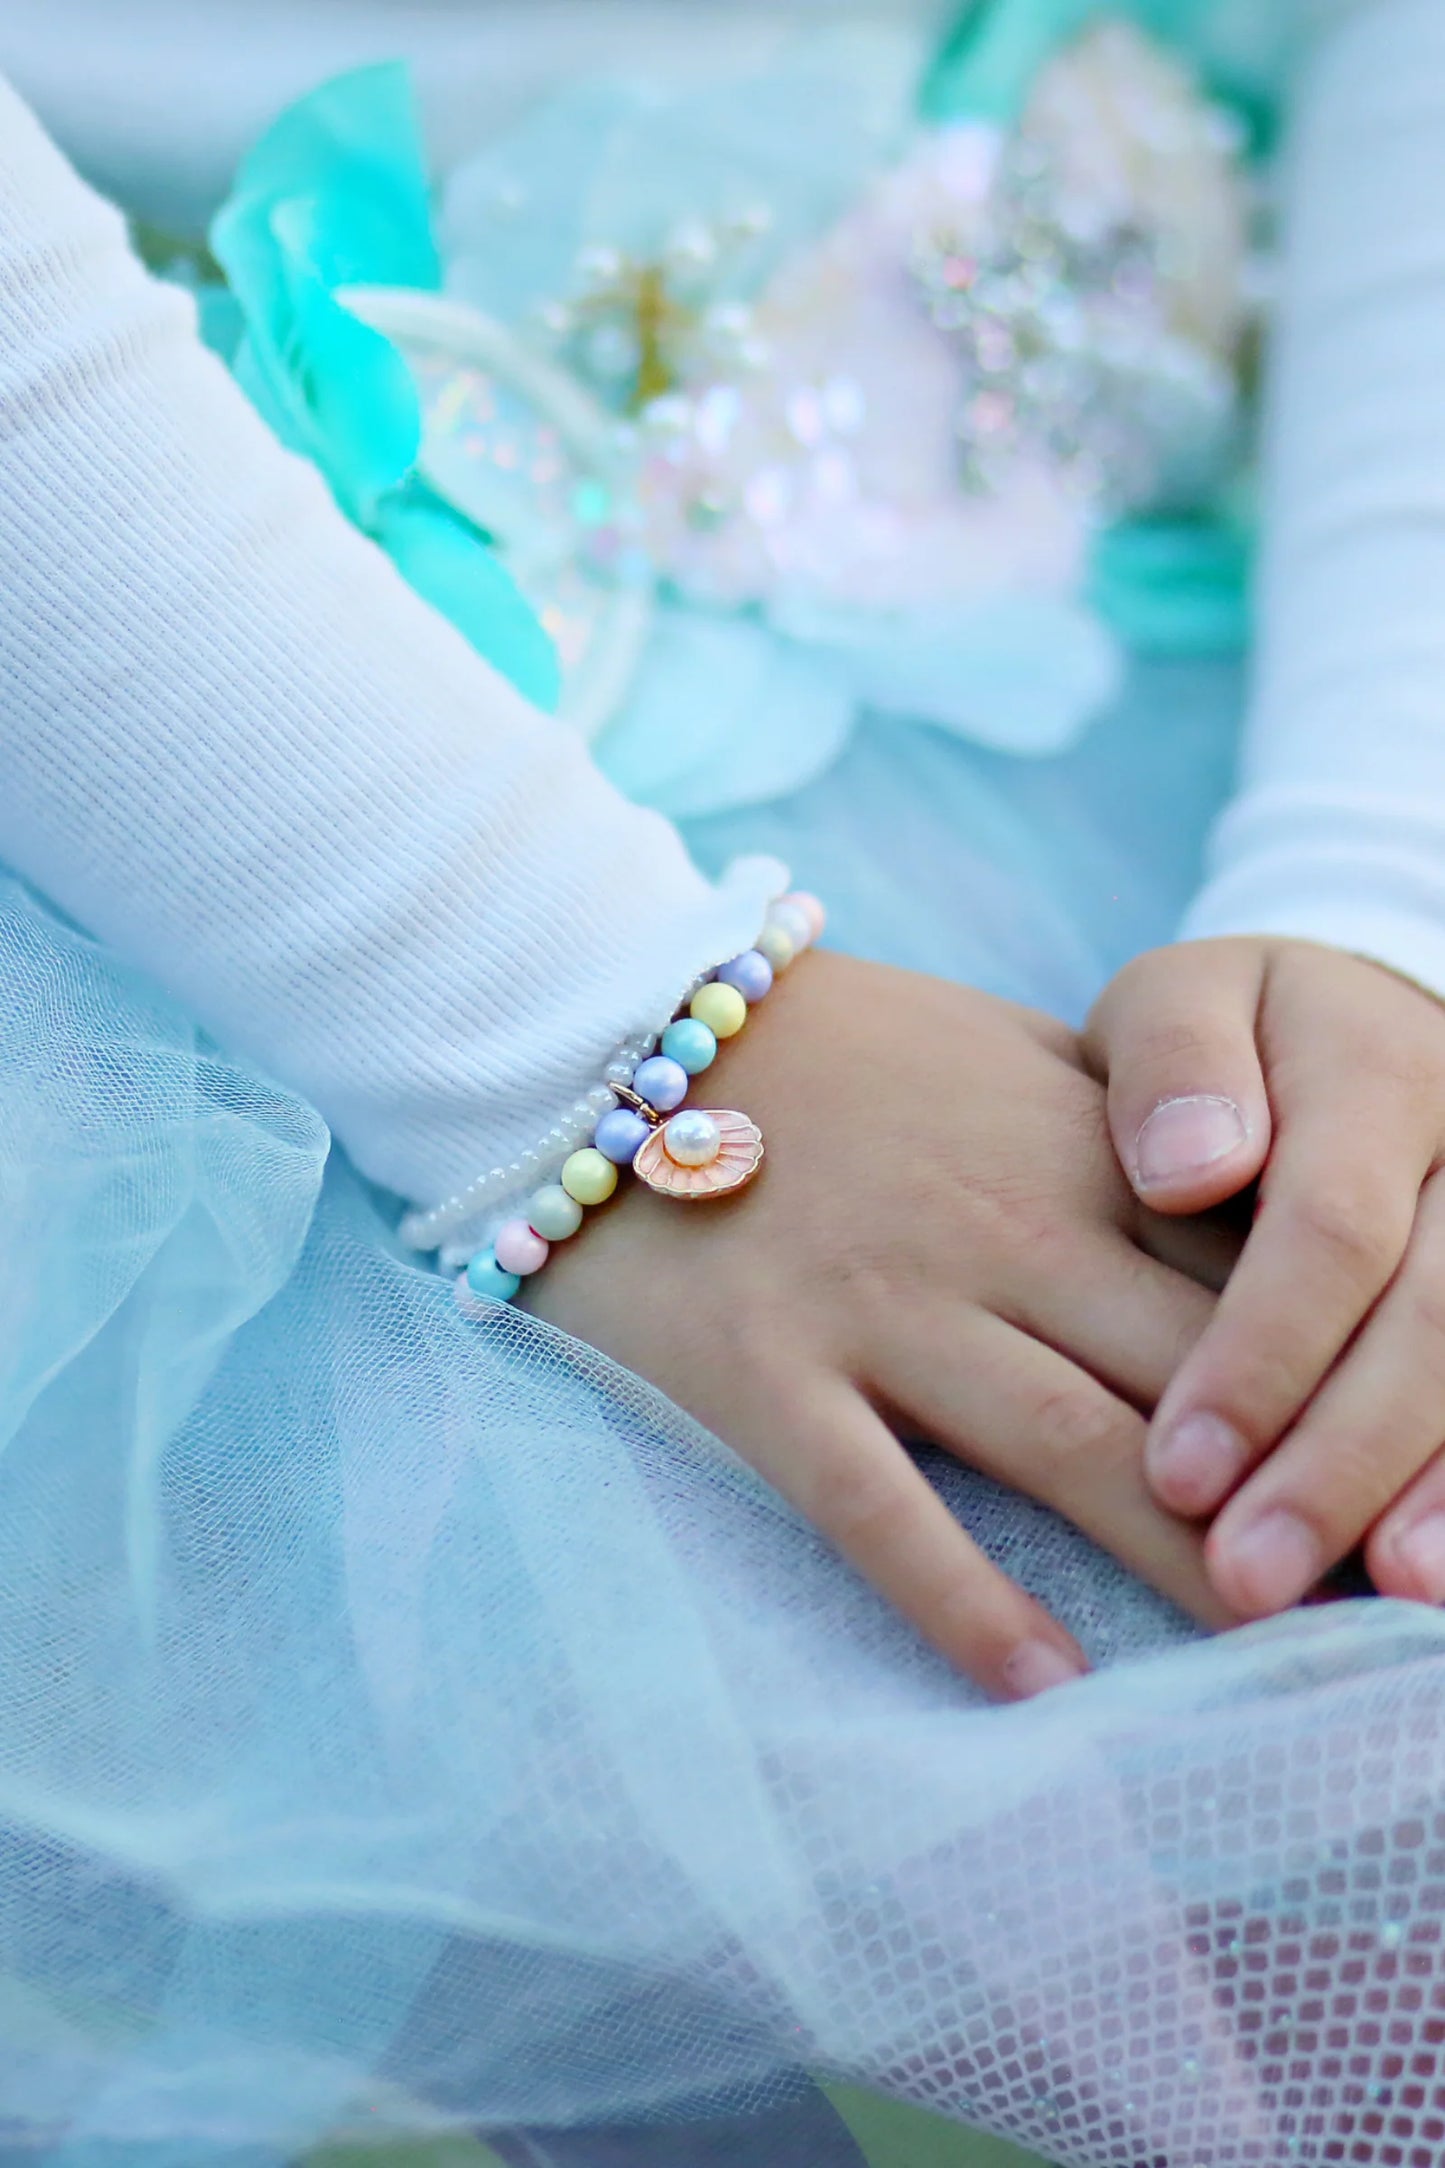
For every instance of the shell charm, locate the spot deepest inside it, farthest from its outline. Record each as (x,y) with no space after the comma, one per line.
(700,1152)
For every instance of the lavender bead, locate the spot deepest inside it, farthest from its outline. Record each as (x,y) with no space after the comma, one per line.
(662,1083)
(750,973)
(621,1135)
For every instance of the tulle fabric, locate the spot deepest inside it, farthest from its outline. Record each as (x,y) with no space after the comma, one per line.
(407,1725)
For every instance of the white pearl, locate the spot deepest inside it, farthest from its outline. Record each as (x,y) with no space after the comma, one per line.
(692,1138)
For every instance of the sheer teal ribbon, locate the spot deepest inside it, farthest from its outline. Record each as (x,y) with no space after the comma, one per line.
(335,194)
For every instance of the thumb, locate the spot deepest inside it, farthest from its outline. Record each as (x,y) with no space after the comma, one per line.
(1188,1109)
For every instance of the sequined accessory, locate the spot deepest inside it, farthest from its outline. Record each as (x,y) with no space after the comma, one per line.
(634,327)
(1064,294)
(843,426)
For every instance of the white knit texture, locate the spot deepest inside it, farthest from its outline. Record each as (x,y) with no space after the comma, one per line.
(1339,832)
(237,747)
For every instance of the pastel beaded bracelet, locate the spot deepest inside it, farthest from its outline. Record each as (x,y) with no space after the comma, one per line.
(689,1153)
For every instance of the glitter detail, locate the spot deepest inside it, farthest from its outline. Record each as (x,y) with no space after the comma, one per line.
(1064,281)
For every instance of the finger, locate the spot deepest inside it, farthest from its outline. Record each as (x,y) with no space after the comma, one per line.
(1205,1250)
(1175,1037)
(1377,1422)
(1022,1413)
(1116,1313)
(1405,1554)
(1328,1239)
(834,1459)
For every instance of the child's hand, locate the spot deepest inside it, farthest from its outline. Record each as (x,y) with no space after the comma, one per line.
(940,1246)
(1325,1361)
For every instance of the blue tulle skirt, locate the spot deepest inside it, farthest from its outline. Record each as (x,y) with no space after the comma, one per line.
(412,1726)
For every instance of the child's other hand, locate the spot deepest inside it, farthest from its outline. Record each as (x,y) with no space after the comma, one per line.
(941,1246)
(1315,1401)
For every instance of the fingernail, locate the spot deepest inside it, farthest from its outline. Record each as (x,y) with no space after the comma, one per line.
(1184,1136)
(1196,1463)
(1421,1551)
(1037,1666)
(1274,1563)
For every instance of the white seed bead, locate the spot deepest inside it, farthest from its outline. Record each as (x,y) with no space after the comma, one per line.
(619,1072)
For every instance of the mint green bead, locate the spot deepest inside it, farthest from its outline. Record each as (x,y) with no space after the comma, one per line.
(690,1044)
(553,1214)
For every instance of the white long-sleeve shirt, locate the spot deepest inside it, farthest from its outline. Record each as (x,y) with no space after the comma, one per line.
(237,747)
(1338,831)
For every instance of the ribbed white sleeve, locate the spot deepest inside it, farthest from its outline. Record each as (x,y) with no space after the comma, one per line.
(1338,834)
(235,745)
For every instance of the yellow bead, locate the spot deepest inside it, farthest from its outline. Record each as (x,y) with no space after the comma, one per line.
(721,1008)
(589,1177)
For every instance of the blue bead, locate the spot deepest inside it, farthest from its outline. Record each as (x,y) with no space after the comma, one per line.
(621,1136)
(486,1278)
(662,1083)
(690,1044)
(750,973)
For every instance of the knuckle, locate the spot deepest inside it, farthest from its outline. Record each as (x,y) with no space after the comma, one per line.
(1348,1483)
(1427,1310)
(861,1506)
(1174,1045)
(1076,1425)
(1347,1224)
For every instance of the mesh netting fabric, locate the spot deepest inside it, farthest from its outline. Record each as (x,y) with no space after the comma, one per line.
(411,1726)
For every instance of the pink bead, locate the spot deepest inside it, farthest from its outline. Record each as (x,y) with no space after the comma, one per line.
(811,909)
(519,1248)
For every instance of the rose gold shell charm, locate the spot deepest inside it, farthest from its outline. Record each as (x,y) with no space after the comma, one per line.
(738,1158)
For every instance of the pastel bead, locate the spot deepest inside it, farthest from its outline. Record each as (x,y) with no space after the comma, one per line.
(553,1214)
(519,1248)
(750,973)
(487,1279)
(589,1177)
(662,1083)
(690,1044)
(813,912)
(775,945)
(621,1135)
(692,1138)
(794,923)
(721,1008)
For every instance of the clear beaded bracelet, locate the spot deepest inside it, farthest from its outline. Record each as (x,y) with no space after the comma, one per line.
(689,1153)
